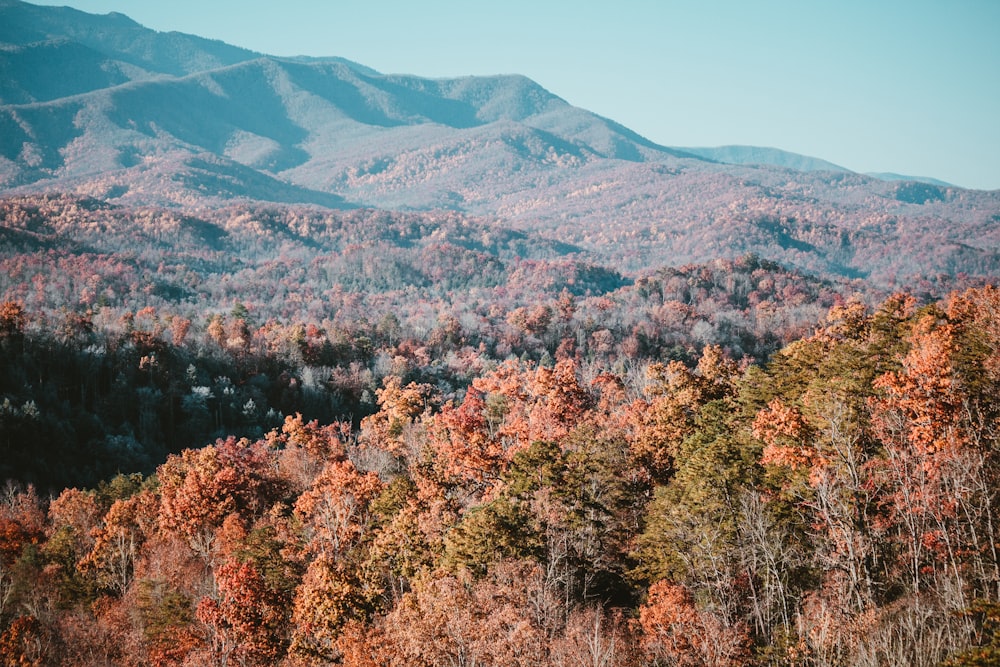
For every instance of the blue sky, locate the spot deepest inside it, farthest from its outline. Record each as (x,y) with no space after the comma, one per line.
(906,86)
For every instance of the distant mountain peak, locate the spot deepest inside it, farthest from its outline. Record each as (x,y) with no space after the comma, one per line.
(123,19)
(117,37)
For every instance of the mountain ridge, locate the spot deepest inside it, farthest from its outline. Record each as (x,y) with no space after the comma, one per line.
(762,155)
(330,132)
(740,154)
(117,36)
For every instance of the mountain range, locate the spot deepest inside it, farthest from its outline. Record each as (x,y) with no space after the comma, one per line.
(102,107)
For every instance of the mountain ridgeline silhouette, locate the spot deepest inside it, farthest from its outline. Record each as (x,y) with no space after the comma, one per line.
(100,106)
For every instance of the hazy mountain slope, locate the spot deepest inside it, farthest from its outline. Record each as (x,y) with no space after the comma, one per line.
(758,155)
(264,113)
(53,69)
(117,37)
(761,155)
(890,176)
(334,133)
(278,115)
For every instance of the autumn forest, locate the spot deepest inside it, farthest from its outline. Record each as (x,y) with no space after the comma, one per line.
(304,364)
(421,440)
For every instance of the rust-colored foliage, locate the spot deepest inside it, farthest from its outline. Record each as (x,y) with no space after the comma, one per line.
(400,407)
(199,488)
(469,447)
(22,528)
(12,319)
(78,510)
(450,619)
(13,537)
(25,643)
(330,596)
(127,525)
(322,443)
(167,620)
(836,506)
(922,403)
(335,509)
(248,621)
(676,631)
(785,435)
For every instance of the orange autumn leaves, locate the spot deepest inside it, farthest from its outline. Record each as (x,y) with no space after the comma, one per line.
(713,514)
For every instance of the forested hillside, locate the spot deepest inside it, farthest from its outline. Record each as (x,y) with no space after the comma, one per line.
(306,364)
(831,506)
(267,435)
(230,319)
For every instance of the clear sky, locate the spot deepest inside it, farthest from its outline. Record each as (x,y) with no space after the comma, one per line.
(906,86)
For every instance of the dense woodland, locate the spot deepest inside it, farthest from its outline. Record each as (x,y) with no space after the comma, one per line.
(228,321)
(290,436)
(519,388)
